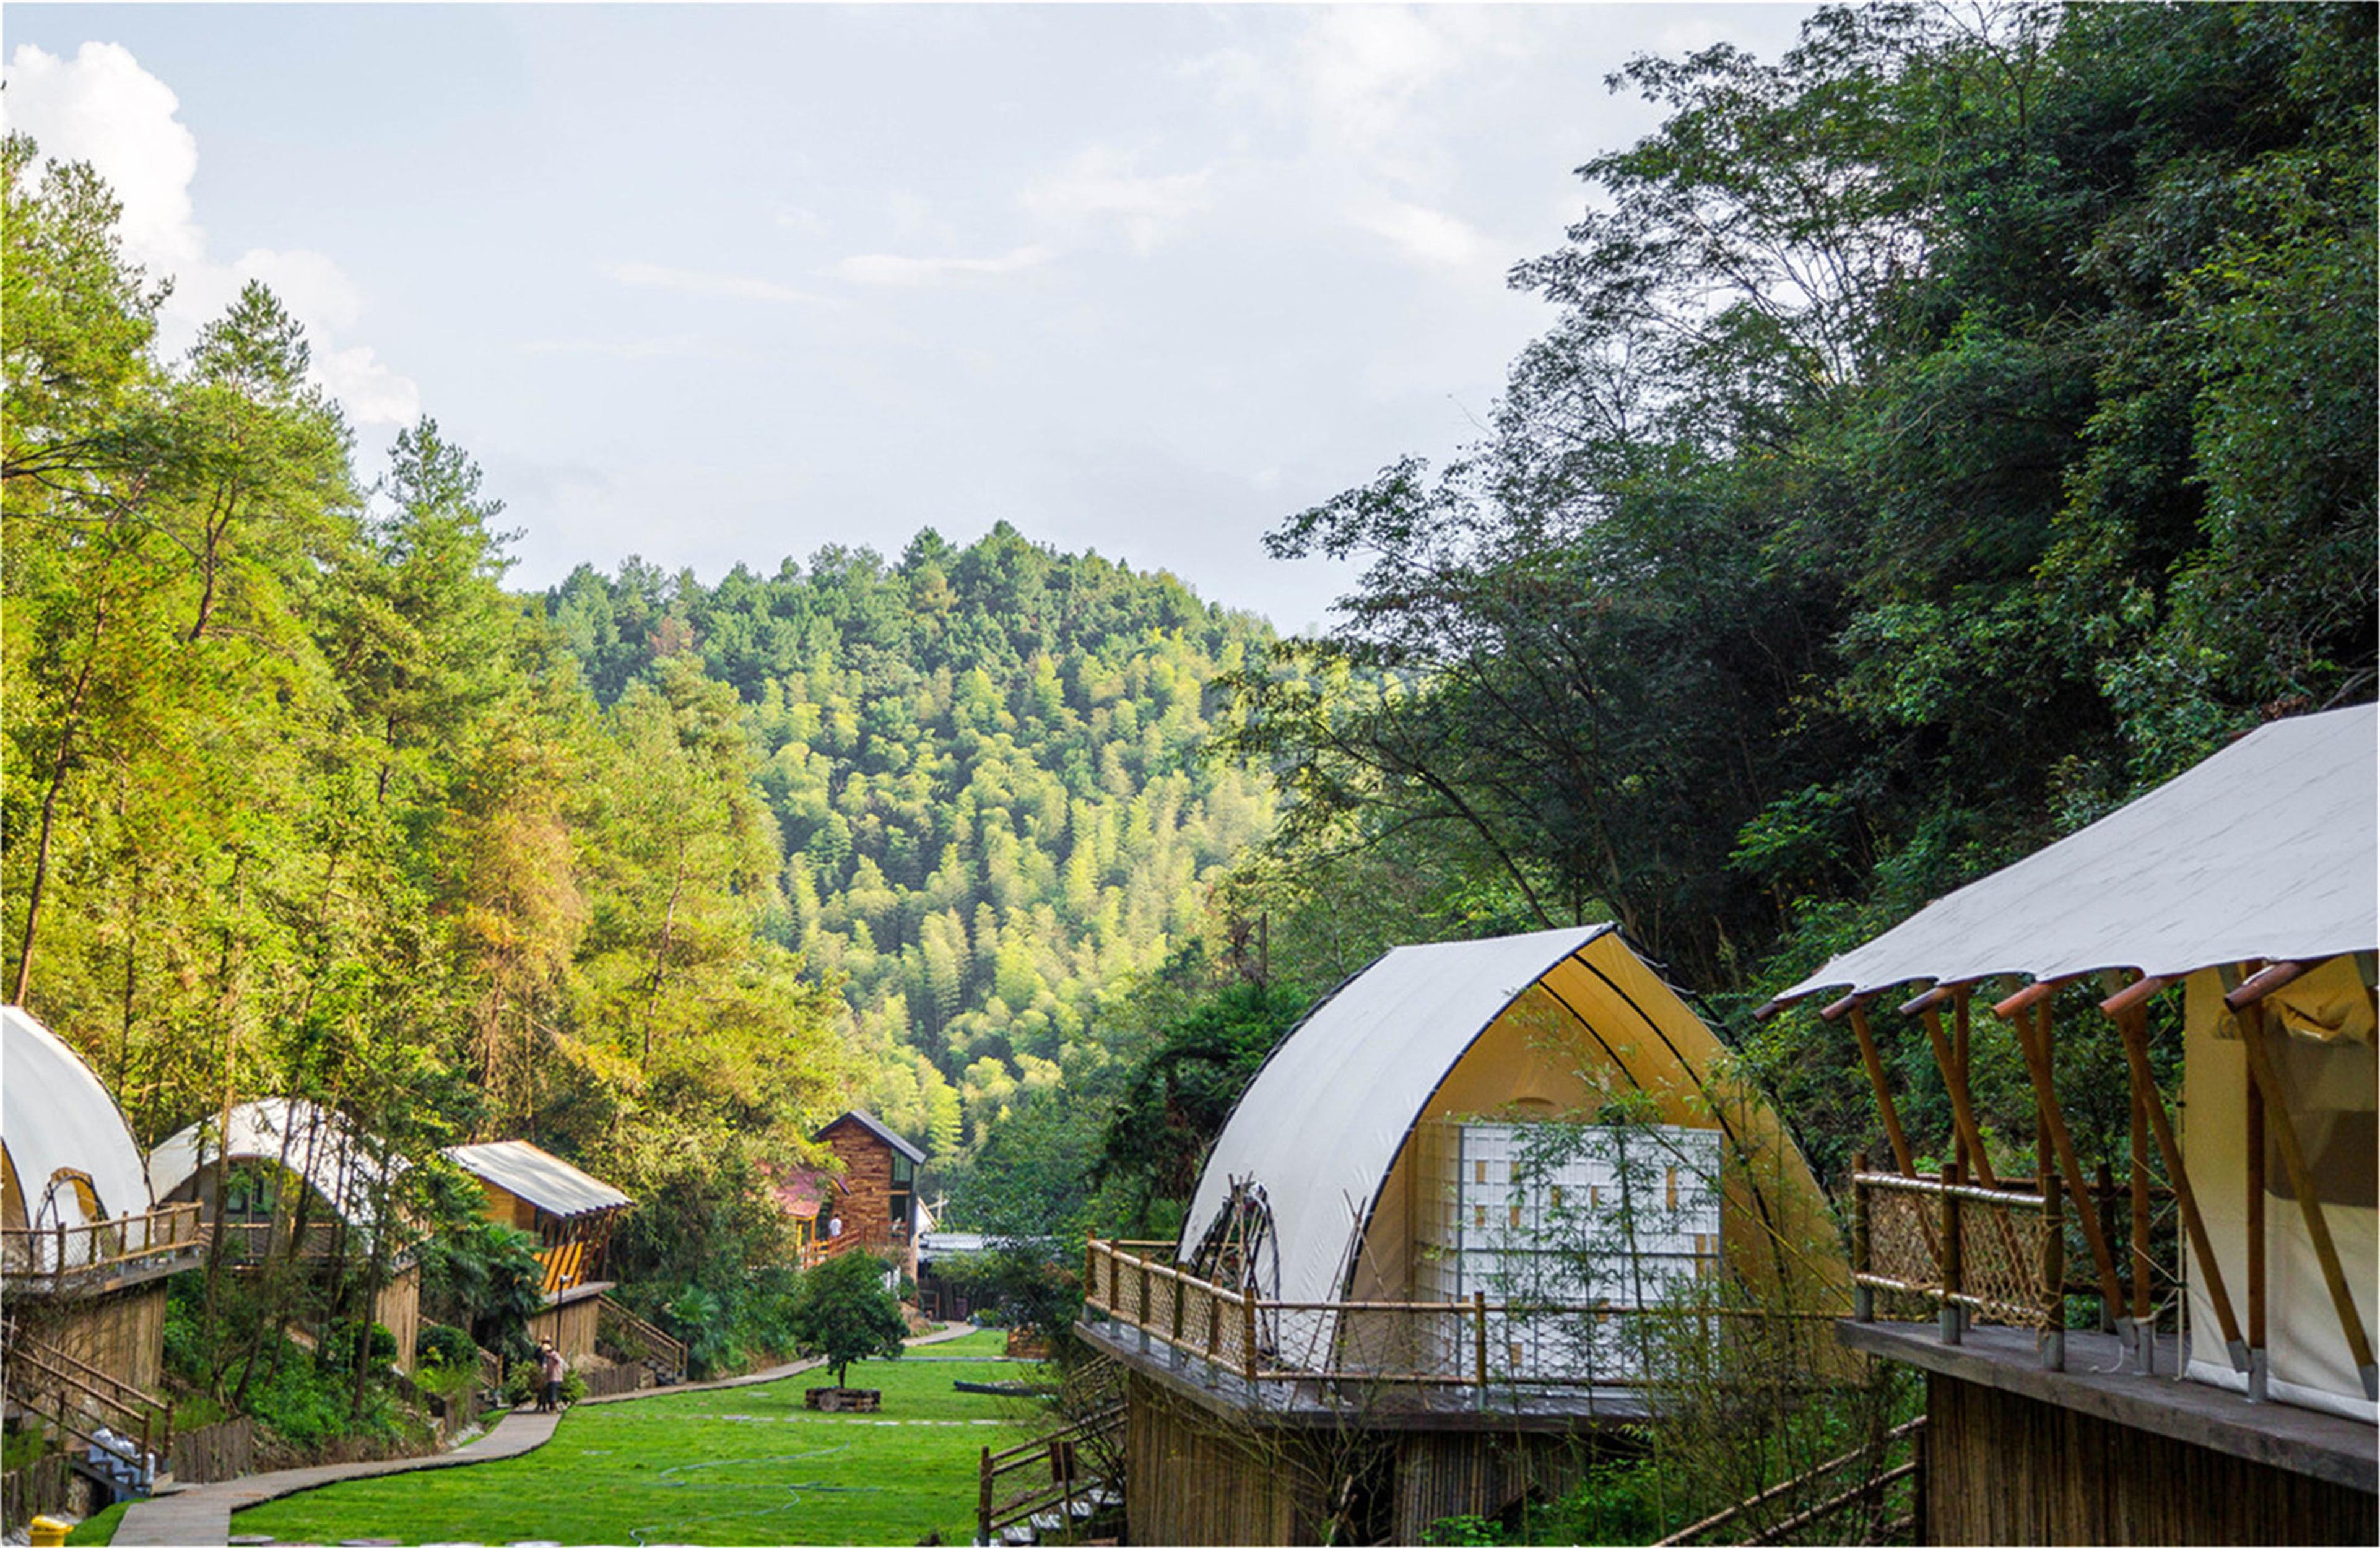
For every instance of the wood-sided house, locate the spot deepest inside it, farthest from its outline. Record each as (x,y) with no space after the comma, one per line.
(571,1215)
(874,1195)
(2228,1394)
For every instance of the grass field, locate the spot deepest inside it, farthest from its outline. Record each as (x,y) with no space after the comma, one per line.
(742,1465)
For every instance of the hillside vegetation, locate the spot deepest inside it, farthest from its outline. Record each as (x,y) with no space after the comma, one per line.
(983,765)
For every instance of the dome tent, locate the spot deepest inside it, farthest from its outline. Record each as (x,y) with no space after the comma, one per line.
(1554,1023)
(62,1134)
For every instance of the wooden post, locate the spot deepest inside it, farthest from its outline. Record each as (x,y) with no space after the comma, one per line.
(2053,1276)
(1178,1314)
(2038,1063)
(1874,1062)
(2103,1194)
(1951,1320)
(1143,1319)
(1479,1344)
(1248,1332)
(2326,1251)
(2259,1369)
(2132,1024)
(983,1498)
(1968,1148)
(1091,1266)
(1214,1325)
(1863,1296)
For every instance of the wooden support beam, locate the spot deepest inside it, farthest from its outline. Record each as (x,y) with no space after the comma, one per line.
(2134,1027)
(2025,999)
(2285,1135)
(1954,1080)
(2273,977)
(2138,992)
(2258,1359)
(2144,1261)
(1902,1155)
(2036,1044)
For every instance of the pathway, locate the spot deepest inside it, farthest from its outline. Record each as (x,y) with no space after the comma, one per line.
(201,1514)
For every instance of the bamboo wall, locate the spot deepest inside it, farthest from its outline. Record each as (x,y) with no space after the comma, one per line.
(2002,1467)
(865,1202)
(1473,1474)
(570,1325)
(398,1309)
(1191,1479)
(122,1332)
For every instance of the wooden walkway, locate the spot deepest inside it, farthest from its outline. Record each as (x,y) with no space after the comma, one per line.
(203,1513)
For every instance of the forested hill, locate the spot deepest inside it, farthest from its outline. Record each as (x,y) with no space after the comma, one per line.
(983,761)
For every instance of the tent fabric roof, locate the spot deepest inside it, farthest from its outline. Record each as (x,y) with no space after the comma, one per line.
(2266,849)
(55,1115)
(320,1144)
(1326,1115)
(875,1125)
(544,1179)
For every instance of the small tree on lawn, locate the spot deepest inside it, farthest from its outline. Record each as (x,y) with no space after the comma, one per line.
(842,1311)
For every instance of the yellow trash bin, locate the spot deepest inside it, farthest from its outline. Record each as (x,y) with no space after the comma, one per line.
(48,1531)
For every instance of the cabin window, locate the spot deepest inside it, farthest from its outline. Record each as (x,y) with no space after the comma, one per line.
(904,1188)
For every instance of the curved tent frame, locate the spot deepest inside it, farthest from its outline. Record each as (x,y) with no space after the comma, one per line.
(1467,1027)
(312,1142)
(58,1125)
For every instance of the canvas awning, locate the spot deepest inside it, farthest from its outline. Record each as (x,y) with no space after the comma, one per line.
(2268,849)
(315,1143)
(544,1179)
(55,1117)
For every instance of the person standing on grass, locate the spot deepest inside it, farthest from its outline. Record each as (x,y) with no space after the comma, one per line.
(550,1365)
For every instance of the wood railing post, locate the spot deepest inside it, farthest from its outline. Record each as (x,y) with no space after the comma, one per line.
(1176,1279)
(2258,1367)
(1863,1296)
(1949,1322)
(983,1499)
(2053,1273)
(1248,1332)
(1214,1327)
(2103,1197)
(1480,1363)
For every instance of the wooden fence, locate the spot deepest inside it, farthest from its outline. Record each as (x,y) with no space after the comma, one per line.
(1475,1344)
(1056,1476)
(622,1336)
(39,1488)
(214,1452)
(124,1241)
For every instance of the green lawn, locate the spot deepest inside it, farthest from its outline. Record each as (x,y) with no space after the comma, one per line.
(741,1465)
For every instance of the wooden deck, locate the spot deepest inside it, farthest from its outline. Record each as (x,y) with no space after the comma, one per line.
(1322,1402)
(2327,1446)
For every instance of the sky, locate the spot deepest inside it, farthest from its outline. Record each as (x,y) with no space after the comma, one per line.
(721,283)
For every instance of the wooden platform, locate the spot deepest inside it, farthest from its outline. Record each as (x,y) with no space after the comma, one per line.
(1331,1404)
(2304,1441)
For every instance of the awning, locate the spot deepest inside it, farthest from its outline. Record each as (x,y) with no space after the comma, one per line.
(544,1179)
(2268,849)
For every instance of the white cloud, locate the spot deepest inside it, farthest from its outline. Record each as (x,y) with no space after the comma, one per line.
(694,281)
(885,268)
(1102,184)
(102,108)
(1364,67)
(678,346)
(1426,235)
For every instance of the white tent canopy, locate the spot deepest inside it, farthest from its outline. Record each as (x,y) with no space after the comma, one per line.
(1326,1115)
(2265,850)
(55,1117)
(314,1142)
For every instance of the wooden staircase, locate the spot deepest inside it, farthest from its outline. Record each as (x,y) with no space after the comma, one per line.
(115,1433)
(622,1336)
(1064,1486)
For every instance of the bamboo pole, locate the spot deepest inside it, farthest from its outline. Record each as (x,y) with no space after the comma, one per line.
(1902,1155)
(1951,1060)
(2259,1358)
(2037,1058)
(2053,1276)
(1863,1296)
(1950,1319)
(2285,1133)
(2132,1024)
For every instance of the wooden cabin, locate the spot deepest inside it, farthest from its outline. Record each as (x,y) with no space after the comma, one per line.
(874,1195)
(1426,1233)
(85,1251)
(571,1215)
(268,1170)
(2226,1392)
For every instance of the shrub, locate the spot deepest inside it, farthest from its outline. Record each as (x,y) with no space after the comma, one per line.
(444,1345)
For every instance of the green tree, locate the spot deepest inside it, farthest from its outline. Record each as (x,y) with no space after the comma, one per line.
(842,1312)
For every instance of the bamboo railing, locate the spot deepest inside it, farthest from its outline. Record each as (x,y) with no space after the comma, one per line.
(124,1241)
(80,1399)
(1476,1343)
